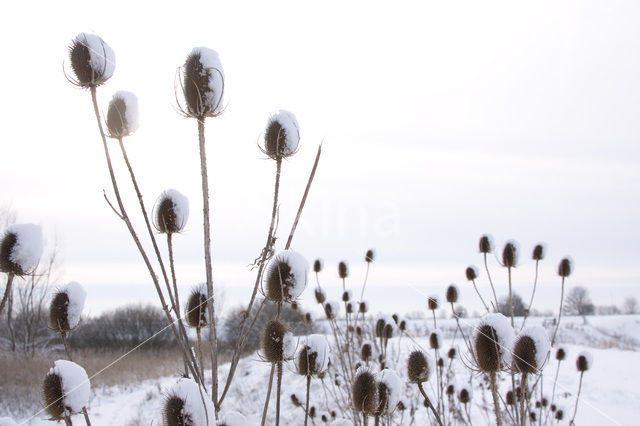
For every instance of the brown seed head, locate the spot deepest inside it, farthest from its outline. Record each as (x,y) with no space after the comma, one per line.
(524,355)
(53,396)
(565,267)
(272,343)
(510,255)
(452,294)
(365,392)
(418,370)
(196,309)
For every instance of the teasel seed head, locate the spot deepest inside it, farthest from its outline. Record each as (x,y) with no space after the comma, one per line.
(465,395)
(584,361)
(313,356)
(346,296)
(276,341)
(66,307)
(196,309)
(308,319)
(395,318)
(20,249)
(388,331)
(559,414)
(380,323)
(318,265)
(173,412)
(533,417)
(312,411)
(486,244)
(403,325)
(492,341)
(452,293)
(389,389)
(321,296)
(510,254)
(203,83)
(282,135)
(435,339)
(561,353)
(510,399)
(418,367)
(122,115)
(343,269)
(66,389)
(184,404)
(92,60)
(471,273)
(286,277)
(432,302)
(359,331)
(365,392)
(53,396)
(366,351)
(538,252)
(349,308)
(171,212)
(331,310)
(451,390)
(531,350)
(565,268)
(451,354)
(370,256)
(296,401)
(363,307)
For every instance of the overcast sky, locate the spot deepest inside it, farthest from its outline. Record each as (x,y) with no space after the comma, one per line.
(440,120)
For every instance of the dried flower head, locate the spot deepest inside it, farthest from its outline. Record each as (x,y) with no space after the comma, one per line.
(432,302)
(584,361)
(66,389)
(465,395)
(363,307)
(331,309)
(418,367)
(66,307)
(365,391)
(203,83)
(196,309)
(346,295)
(366,351)
(403,325)
(185,405)
(452,293)
(388,331)
(509,399)
(122,115)
(370,256)
(561,353)
(308,319)
(492,340)
(510,254)
(343,269)
(380,323)
(321,296)
(471,273)
(313,357)
(486,244)
(276,343)
(435,339)
(318,264)
(20,249)
(538,252)
(92,60)
(296,400)
(451,390)
(389,389)
(531,350)
(565,267)
(451,354)
(286,277)
(282,135)
(171,212)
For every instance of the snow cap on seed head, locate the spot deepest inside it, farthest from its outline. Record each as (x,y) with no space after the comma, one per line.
(20,249)
(565,268)
(389,391)
(510,254)
(531,350)
(282,135)
(286,277)
(66,307)
(187,403)
(419,367)
(66,389)
(432,302)
(485,244)
(365,391)
(122,115)
(92,60)
(313,356)
(203,83)
(492,341)
(171,212)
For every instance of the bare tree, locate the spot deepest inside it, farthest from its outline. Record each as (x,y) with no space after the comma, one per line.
(578,302)
(630,305)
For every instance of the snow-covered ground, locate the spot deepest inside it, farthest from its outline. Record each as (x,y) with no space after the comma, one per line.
(610,391)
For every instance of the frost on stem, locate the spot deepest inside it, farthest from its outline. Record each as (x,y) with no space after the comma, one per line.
(282,135)
(92,60)
(20,249)
(66,389)
(203,83)
(171,212)
(122,115)
(66,307)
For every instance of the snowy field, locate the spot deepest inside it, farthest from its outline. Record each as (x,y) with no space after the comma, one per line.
(610,393)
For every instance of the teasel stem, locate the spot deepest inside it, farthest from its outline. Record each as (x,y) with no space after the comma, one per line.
(533,293)
(426,398)
(555,381)
(523,387)
(67,349)
(278,389)
(213,341)
(433,311)
(555,332)
(365,421)
(199,336)
(122,214)
(67,420)
(486,267)
(12,335)
(366,276)
(173,271)
(496,401)
(575,410)
(7,291)
(464,338)
(306,405)
(266,401)
(475,287)
(510,295)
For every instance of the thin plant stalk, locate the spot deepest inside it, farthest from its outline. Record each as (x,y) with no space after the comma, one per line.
(122,214)
(7,290)
(67,421)
(278,391)
(475,287)
(555,332)
(306,405)
(266,401)
(496,401)
(553,392)
(533,293)
(575,410)
(426,398)
(486,267)
(366,276)
(510,295)
(523,387)
(464,338)
(12,334)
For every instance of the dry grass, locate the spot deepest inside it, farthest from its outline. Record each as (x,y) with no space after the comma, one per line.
(21,378)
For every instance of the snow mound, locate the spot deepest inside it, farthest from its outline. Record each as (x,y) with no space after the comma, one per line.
(7,421)
(197,403)
(75,384)
(27,250)
(77,296)
(103,60)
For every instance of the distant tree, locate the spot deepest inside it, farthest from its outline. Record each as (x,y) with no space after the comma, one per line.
(630,305)
(608,310)
(578,302)
(518,306)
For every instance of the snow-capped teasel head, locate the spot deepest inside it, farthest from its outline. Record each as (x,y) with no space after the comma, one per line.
(584,361)
(363,307)
(20,249)
(92,60)
(66,389)
(203,83)
(492,342)
(7,421)
(370,256)
(565,268)
(364,392)
(286,277)
(66,307)
(433,302)
(277,343)
(343,269)
(539,251)
(313,356)
(331,309)
(389,390)
(232,418)
(196,307)
(452,293)
(171,212)
(320,295)
(366,351)
(510,254)
(531,350)
(485,245)
(347,295)
(419,367)
(188,403)
(471,272)
(122,115)
(282,135)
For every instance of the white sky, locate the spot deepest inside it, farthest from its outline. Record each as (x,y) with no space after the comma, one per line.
(440,120)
